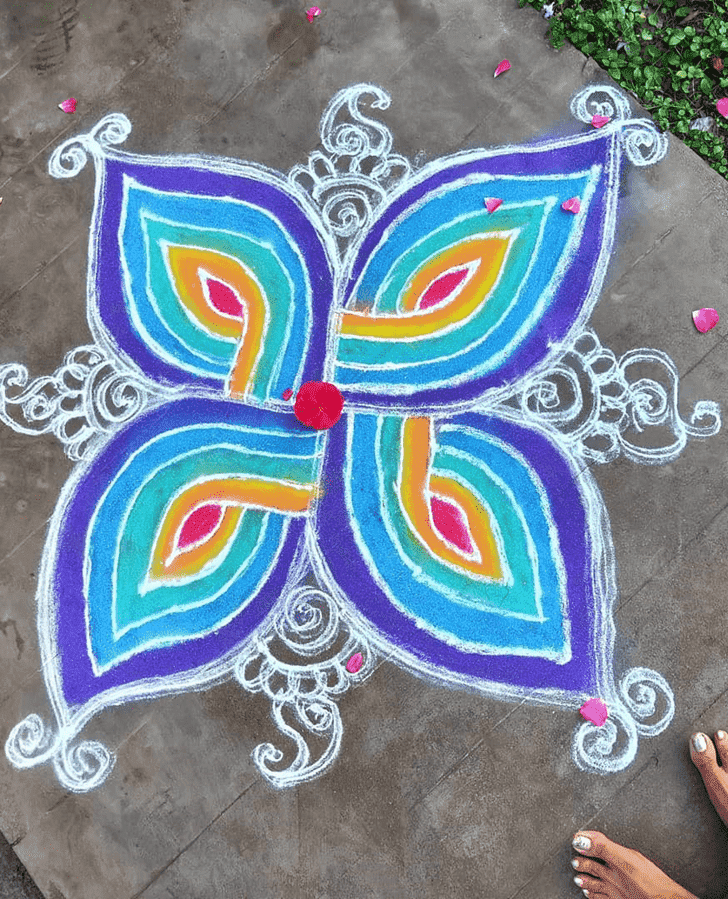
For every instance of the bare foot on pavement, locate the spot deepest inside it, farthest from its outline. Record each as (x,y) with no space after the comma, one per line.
(606,870)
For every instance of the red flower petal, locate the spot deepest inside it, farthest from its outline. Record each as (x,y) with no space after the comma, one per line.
(68,105)
(312,13)
(722,107)
(571,205)
(705,319)
(599,121)
(318,404)
(594,710)
(492,203)
(502,67)
(287,393)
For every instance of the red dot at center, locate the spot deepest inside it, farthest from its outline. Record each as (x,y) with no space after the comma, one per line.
(318,404)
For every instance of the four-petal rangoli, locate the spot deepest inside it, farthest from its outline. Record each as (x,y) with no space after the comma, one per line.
(448,522)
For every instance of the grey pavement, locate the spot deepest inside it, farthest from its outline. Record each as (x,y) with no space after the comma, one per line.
(437,793)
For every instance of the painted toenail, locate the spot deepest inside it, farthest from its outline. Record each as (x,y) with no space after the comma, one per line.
(578,881)
(721,735)
(699,744)
(575,863)
(583,844)
(585,892)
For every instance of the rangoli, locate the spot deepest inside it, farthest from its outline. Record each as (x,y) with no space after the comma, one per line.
(448,523)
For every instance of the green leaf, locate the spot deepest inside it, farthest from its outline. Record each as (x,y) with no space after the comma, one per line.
(706,86)
(690,31)
(682,12)
(646,35)
(675,39)
(653,19)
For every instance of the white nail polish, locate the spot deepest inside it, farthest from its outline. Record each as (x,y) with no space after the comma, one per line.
(585,892)
(721,735)
(575,863)
(699,744)
(578,881)
(582,843)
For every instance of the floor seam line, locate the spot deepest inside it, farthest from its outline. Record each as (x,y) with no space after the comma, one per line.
(40,271)
(204,830)
(557,849)
(684,547)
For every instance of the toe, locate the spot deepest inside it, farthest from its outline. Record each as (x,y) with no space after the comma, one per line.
(721,743)
(594,844)
(702,752)
(591,886)
(592,867)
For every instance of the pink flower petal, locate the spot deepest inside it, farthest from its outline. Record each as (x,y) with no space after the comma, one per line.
(571,205)
(492,203)
(312,13)
(355,662)
(287,393)
(599,121)
(594,710)
(68,105)
(722,107)
(705,319)
(502,67)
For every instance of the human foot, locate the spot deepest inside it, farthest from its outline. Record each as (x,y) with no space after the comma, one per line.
(704,755)
(606,870)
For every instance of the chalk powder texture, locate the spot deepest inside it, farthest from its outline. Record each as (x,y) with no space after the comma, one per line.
(447,516)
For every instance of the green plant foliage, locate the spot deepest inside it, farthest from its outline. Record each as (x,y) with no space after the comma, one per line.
(666,60)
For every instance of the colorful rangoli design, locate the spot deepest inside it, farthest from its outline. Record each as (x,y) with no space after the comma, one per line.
(448,522)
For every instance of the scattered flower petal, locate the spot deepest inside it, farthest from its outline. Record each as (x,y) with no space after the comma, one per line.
(502,67)
(548,10)
(571,205)
(620,45)
(492,203)
(355,662)
(594,710)
(722,107)
(287,393)
(312,13)
(599,121)
(318,404)
(704,124)
(705,319)
(68,105)
(717,63)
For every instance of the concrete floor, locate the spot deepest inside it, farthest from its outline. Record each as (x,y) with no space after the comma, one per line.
(436,792)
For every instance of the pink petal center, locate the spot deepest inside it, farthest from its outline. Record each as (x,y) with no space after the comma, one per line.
(200,525)
(441,288)
(450,522)
(224,298)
